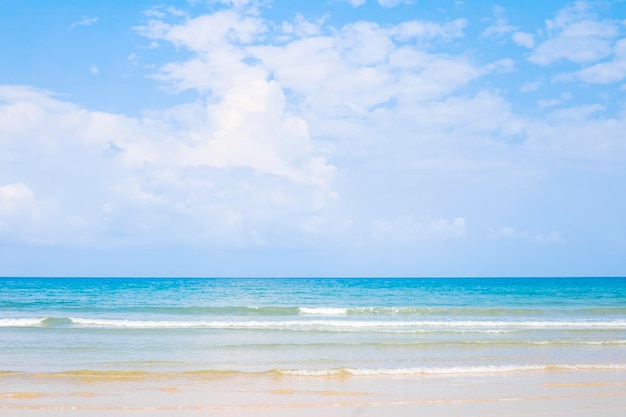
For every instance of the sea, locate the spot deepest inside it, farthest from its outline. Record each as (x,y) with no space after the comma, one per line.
(313,327)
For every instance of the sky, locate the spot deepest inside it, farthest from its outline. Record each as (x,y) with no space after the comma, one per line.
(312,138)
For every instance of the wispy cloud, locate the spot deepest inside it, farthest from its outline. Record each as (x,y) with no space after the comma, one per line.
(501,26)
(577,35)
(85,21)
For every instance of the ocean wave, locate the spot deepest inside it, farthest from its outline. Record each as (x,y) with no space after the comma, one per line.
(484,369)
(288,311)
(218,311)
(56,322)
(484,311)
(95,374)
(347,324)
(21,322)
(321,311)
(330,324)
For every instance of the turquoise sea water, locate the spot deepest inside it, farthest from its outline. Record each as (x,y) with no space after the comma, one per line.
(313,327)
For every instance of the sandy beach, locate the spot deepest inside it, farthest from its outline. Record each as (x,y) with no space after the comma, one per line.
(558,393)
(318,347)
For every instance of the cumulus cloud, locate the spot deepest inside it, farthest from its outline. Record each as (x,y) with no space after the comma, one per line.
(25,218)
(364,65)
(527,40)
(302,27)
(421,30)
(607,72)
(330,74)
(575,35)
(203,32)
(241,165)
(290,117)
(231,169)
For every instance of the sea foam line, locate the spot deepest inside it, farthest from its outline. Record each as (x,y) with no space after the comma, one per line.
(343,324)
(21,322)
(95,374)
(316,324)
(328,311)
(485,369)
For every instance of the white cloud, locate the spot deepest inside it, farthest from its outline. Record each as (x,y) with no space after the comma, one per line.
(575,35)
(85,21)
(26,218)
(162,11)
(527,40)
(133,59)
(548,102)
(17,205)
(579,133)
(240,166)
(364,65)
(530,86)
(480,115)
(302,27)
(501,25)
(236,3)
(607,72)
(15,199)
(250,128)
(394,3)
(501,66)
(232,171)
(421,30)
(281,126)
(202,33)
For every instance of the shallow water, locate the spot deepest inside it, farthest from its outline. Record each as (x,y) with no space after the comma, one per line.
(125,328)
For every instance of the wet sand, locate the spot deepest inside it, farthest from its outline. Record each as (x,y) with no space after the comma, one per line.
(558,393)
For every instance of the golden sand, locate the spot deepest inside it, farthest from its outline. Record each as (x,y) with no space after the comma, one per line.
(570,394)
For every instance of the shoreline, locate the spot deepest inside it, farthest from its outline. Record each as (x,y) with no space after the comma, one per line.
(548,393)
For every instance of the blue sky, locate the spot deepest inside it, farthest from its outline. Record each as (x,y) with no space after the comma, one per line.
(327,138)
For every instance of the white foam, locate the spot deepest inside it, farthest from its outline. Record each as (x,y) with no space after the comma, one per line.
(136,324)
(342,325)
(25,322)
(511,323)
(323,311)
(485,369)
